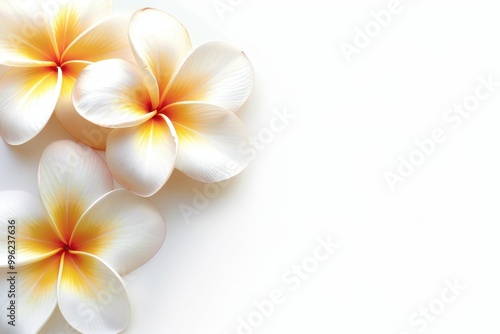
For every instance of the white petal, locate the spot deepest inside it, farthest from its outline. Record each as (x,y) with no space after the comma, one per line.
(86,132)
(71,18)
(141,158)
(122,229)
(26,35)
(28,97)
(24,223)
(106,40)
(115,93)
(160,43)
(215,73)
(71,178)
(92,296)
(212,141)
(34,295)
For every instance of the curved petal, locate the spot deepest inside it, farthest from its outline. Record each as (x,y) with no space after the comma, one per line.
(28,97)
(71,177)
(142,158)
(122,229)
(24,223)
(86,132)
(92,296)
(71,18)
(106,40)
(35,295)
(160,43)
(215,73)
(26,36)
(115,93)
(212,141)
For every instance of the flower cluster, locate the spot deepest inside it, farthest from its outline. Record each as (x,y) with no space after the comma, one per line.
(156,104)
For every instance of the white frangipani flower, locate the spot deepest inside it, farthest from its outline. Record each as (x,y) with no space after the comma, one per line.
(176,109)
(47,44)
(72,245)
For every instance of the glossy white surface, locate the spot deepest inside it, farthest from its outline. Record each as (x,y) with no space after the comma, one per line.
(322,174)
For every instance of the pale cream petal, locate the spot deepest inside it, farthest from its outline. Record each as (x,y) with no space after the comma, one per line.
(25,231)
(26,35)
(86,132)
(106,40)
(28,97)
(71,18)
(160,43)
(212,141)
(71,178)
(122,229)
(92,296)
(141,158)
(215,73)
(34,294)
(115,93)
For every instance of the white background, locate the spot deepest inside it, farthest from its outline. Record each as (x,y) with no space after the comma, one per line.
(323,175)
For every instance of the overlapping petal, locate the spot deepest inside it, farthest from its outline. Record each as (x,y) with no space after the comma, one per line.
(211,141)
(26,34)
(86,132)
(92,296)
(160,43)
(141,158)
(115,93)
(35,295)
(122,229)
(32,237)
(27,100)
(71,178)
(107,39)
(70,18)
(215,73)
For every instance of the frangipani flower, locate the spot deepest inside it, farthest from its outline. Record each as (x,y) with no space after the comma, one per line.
(47,44)
(72,246)
(174,110)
